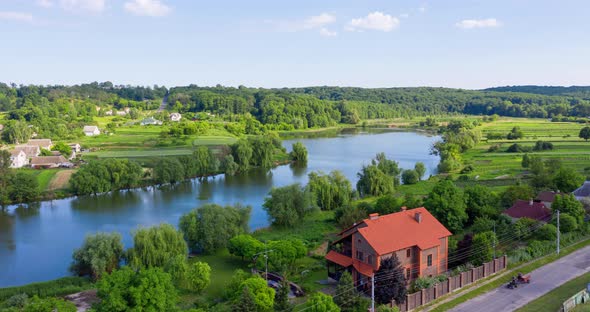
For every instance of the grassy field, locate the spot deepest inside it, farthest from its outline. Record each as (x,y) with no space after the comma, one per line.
(568,147)
(553,300)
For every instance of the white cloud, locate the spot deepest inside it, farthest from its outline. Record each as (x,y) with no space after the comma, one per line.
(328,33)
(318,21)
(404,15)
(481,23)
(94,6)
(147,8)
(374,21)
(16,16)
(422,9)
(45,3)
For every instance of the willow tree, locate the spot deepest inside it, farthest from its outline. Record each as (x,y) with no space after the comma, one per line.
(210,227)
(156,246)
(100,253)
(242,153)
(330,191)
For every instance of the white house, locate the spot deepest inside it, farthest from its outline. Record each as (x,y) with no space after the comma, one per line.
(108,113)
(42,143)
(175,116)
(18,159)
(76,148)
(29,150)
(150,121)
(91,130)
(121,113)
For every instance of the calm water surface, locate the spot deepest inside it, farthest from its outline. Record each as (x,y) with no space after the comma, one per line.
(36,242)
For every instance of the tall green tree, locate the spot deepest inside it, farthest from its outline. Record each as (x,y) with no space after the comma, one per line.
(242,153)
(264,296)
(390,288)
(101,253)
(210,227)
(282,298)
(330,191)
(446,203)
(410,176)
(567,179)
(5,161)
(483,245)
(244,246)
(585,133)
(168,170)
(128,290)
(288,205)
(319,302)
(568,204)
(155,246)
(374,182)
(420,169)
(480,202)
(299,153)
(246,302)
(346,296)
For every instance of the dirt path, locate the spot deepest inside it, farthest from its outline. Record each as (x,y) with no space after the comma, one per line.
(60,180)
(83,300)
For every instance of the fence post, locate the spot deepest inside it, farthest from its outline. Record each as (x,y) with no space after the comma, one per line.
(460,279)
(449,284)
(505,261)
(473,275)
(423,295)
(407,302)
(485,272)
(435,291)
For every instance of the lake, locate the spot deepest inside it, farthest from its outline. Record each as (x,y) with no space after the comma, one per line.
(36,242)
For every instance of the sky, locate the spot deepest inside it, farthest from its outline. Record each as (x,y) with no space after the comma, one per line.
(283,43)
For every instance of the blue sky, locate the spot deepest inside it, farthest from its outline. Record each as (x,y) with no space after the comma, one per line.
(372,43)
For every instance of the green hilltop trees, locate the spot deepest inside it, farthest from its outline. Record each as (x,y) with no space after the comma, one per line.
(101,253)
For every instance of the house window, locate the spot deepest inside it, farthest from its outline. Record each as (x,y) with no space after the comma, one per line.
(408,273)
(429,260)
(408,252)
(359,255)
(370,259)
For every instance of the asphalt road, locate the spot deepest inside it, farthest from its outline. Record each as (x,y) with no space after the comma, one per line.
(543,280)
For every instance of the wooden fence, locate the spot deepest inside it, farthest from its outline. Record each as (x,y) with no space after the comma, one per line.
(452,283)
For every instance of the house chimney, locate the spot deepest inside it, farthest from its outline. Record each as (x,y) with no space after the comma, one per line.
(418,217)
(374,216)
(404,208)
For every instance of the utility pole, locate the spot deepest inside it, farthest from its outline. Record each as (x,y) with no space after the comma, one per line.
(265,254)
(558,232)
(373,293)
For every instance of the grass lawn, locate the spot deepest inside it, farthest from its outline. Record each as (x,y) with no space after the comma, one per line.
(552,300)
(222,266)
(44,177)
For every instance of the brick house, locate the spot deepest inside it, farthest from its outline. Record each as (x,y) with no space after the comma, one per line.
(415,236)
(528,209)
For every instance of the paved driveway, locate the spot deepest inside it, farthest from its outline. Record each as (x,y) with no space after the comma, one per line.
(544,279)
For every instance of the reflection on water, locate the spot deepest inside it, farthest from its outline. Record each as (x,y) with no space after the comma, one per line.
(52,230)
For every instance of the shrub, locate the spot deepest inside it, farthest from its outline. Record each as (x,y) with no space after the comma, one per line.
(546,232)
(58,287)
(410,177)
(543,146)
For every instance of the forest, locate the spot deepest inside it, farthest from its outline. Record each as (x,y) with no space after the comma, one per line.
(59,112)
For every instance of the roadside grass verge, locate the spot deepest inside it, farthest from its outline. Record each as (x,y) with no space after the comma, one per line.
(553,300)
(505,276)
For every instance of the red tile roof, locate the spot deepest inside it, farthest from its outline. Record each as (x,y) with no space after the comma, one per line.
(548,196)
(401,230)
(362,267)
(339,258)
(528,209)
